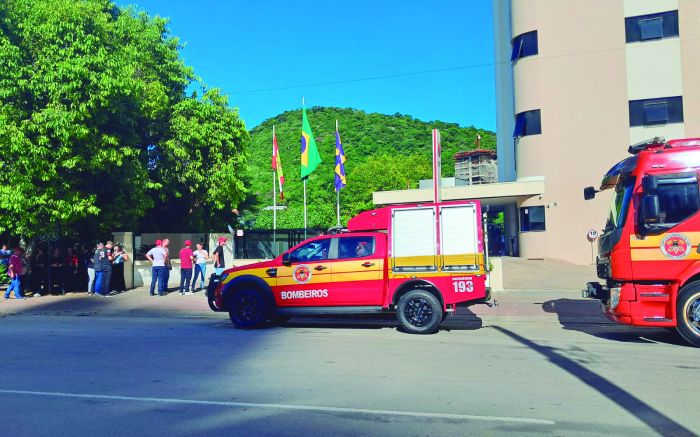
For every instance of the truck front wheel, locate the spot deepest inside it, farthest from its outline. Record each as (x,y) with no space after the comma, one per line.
(688,313)
(248,309)
(419,312)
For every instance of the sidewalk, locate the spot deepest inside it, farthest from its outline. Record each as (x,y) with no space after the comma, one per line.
(561,307)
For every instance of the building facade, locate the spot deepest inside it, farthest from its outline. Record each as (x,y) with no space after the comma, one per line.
(577,83)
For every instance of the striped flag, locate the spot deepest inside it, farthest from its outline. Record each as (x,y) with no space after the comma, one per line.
(340,180)
(277,165)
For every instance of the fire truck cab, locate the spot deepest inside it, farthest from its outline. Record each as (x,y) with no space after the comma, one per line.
(649,253)
(419,261)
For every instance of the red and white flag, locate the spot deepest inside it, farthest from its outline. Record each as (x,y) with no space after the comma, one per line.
(277,165)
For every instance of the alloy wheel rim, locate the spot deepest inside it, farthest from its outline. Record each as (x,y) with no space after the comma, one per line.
(692,314)
(418,312)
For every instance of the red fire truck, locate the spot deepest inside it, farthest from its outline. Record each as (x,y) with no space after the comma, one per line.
(649,253)
(419,261)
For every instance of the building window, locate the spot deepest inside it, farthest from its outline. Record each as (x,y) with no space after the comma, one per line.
(524,45)
(648,112)
(651,27)
(532,219)
(527,123)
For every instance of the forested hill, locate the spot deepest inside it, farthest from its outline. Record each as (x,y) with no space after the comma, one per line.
(384,152)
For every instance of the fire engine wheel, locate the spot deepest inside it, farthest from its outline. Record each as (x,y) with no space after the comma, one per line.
(688,313)
(419,312)
(248,309)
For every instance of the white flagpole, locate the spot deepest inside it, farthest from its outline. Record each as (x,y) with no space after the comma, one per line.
(274,196)
(305,221)
(337,191)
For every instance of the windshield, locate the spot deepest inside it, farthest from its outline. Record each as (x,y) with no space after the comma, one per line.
(620,202)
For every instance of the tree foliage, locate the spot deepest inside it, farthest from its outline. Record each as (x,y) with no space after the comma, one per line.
(384,152)
(96,126)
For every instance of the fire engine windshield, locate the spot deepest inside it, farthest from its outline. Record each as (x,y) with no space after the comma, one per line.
(620,202)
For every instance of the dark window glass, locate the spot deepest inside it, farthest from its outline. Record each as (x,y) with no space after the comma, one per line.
(312,251)
(656,111)
(678,199)
(355,247)
(652,26)
(532,219)
(524,45)
(527,123)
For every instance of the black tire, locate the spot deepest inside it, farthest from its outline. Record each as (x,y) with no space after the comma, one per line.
(688,313)
(444,316)
(248,309)
(419,312)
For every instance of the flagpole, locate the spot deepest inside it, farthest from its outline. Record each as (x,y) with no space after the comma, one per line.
(305,221)
(274,196)
(337,191)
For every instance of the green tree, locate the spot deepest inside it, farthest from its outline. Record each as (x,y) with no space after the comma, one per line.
(384,152)
(96,124)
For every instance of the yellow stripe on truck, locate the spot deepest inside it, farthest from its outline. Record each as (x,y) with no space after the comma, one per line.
(655,240)
(655,254)
(260,273)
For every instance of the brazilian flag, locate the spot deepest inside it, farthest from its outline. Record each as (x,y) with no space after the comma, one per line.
(310,159)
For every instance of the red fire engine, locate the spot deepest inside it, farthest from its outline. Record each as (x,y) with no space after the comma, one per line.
(649,253)
(419,261)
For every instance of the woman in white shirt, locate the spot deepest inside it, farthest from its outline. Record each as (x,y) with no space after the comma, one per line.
(200,265)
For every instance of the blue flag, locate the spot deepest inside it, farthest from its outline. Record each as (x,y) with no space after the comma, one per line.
(340,180)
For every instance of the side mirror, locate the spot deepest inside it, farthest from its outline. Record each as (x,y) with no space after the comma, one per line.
(589,193)
(286,259)
(650,184)
(650,209)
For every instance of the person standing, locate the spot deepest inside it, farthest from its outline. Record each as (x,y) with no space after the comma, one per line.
(200,265)
(107,269)
(168,262)
(97,263)
(16,272)
(157,258)
(90,266)
(56,273)
(218,257)
(71,270)
(120,256)
(186,257)
(37,277)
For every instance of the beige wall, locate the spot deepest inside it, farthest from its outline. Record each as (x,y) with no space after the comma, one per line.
(579,83)
(689,16)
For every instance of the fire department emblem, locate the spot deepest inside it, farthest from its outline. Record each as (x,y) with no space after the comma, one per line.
(675,246)
(302,274)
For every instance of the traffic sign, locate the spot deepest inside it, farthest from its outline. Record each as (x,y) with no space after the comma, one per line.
(592,235)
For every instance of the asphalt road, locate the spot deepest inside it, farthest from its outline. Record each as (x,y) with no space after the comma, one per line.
(104,376)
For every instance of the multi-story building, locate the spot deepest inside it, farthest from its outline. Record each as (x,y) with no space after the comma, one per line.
(577,82)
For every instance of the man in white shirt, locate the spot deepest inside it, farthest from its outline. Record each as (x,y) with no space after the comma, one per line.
(157,257)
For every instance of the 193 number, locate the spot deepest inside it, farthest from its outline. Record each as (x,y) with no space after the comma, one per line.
(463,286)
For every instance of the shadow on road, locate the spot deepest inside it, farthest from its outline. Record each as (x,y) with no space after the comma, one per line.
(465,320)
(585,315)
(653,418)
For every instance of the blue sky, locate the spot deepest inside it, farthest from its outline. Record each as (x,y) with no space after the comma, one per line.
(285,46)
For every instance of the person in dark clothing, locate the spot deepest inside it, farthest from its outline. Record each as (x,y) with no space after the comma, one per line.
(37,278)
(56,273)
(107,269)
(120,257)
(71,270)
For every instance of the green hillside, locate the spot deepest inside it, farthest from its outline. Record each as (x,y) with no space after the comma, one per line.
(384,152)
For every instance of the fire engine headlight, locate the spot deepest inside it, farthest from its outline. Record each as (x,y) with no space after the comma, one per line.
(615,297)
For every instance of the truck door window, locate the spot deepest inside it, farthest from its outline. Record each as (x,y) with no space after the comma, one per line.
(679,198)
(312,251)
(620,202)
(355,247)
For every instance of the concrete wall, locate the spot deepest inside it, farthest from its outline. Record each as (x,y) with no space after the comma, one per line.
(582,79)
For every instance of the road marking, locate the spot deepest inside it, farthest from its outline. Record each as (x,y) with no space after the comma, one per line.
(283,407)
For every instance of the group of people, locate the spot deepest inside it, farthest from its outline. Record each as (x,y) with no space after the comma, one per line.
(38,271)
(191,261)
(100,271)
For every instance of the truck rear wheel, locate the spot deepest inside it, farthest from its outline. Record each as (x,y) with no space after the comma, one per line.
(248,309)
(419,312)
(688,313)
